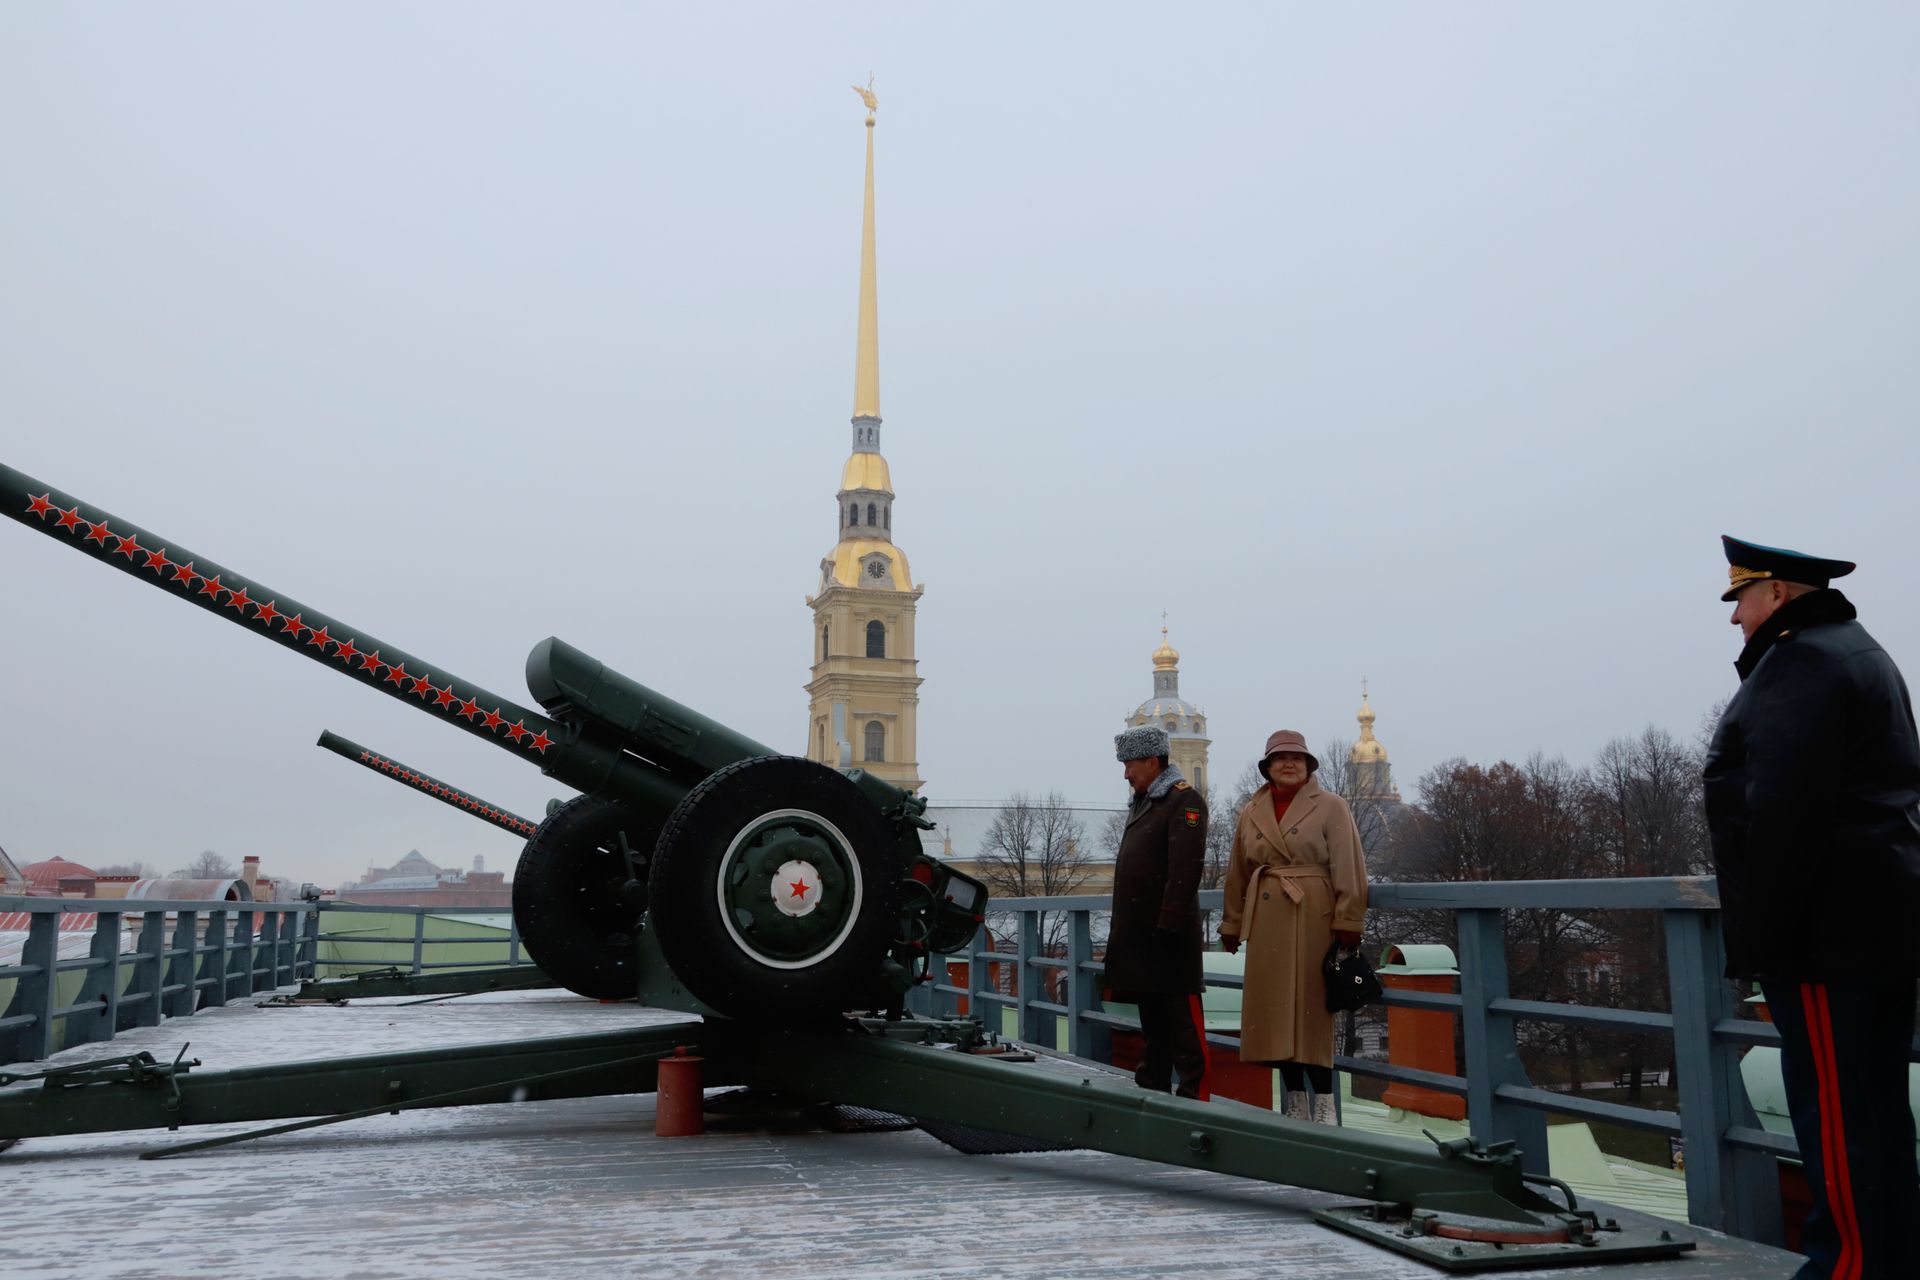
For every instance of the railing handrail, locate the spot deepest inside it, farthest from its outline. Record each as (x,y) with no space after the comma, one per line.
(141,906)
(1662,893)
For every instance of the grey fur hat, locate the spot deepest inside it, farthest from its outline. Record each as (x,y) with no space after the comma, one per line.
(1148,741)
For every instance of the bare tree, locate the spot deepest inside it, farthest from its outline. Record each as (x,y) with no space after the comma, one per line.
(1372,814)
(208,866)
(1036,848)
(143,870)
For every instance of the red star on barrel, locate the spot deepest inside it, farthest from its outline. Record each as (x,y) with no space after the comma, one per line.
(422,686)
(796,888)
(128,545)
(100,533)
(158,562)
(469,708)
(319,639)
(493,720)
(238,599)
(397,674)
(293,626)
(69,519)
(346,652)
(444,698)
(540,742)
(41,506)
(517,730)
(211,586)
(185,573)
(368,661)
(266,615)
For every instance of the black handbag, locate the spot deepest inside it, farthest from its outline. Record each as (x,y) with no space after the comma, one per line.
(1351,982)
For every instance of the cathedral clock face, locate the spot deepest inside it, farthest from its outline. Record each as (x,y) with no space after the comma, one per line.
(876,569)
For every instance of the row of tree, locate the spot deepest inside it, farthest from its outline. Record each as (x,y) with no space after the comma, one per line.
(208,866)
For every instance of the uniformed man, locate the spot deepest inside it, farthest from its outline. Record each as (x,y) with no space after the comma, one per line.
(1153,951)
(1813,805)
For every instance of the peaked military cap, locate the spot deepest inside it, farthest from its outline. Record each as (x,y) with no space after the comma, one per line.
(1751,562)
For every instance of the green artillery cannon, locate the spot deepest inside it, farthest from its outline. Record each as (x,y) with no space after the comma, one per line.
(783,889)
(708,874)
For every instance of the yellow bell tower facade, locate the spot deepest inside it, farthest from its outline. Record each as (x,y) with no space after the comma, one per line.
(864,694)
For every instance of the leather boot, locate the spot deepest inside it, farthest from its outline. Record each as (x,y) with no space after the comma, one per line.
(1323,1110)
(1296,1107)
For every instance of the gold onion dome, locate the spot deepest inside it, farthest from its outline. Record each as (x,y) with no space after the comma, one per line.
(1369,750)
(849,556)
(1166,657)
(866,471)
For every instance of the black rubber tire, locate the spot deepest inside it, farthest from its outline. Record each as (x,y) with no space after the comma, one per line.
(686,908)
(575,921)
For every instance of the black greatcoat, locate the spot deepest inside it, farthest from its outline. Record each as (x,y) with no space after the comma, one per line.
(1813,803)
(1154,944)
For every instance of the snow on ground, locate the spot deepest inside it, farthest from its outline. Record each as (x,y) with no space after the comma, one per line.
(584,1186)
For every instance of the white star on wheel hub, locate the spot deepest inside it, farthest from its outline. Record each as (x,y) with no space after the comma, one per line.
(796,888)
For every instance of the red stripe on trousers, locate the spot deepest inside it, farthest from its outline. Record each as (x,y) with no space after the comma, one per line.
(1206,1059)
(1833,1134)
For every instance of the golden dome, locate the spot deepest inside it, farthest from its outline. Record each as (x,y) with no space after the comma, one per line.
(1369,750)
(847,557)
(1166,657)
(866,471)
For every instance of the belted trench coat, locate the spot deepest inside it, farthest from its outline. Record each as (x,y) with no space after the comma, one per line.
(1288,888)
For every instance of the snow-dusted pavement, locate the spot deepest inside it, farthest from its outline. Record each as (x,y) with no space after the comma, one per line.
(584,1188)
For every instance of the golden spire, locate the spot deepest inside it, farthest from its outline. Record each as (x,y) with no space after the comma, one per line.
(866,371)
(1369,749)
(1166,657)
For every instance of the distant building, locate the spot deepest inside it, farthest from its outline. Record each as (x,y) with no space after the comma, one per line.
(415,882)
(1185,724)
(12,879)
(1369,772)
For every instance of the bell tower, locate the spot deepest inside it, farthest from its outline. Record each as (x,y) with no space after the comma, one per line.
(863,698)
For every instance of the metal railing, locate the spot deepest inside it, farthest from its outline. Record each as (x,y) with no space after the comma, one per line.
(187,955)
(416,941)
(1731,1178)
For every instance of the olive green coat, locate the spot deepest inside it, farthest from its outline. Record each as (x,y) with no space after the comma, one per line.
(1283,1008)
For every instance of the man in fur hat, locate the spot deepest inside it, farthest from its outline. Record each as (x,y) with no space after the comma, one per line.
(1813,805)
(1153,952)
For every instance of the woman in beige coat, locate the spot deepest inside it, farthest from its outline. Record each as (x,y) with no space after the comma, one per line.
(1296,883)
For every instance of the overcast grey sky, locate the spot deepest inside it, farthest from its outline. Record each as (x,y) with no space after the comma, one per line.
(1434,344)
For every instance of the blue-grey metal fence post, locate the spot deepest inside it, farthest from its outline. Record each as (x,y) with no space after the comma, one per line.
(980,979)
(419,939)
(1728,1188)
(1085,1038)
(240,969)
(1037,1026)
(211,977)
(183,965)
(102,986)
(1492,1051)
(149,972)
(310,944)
(33,993)
(267,977)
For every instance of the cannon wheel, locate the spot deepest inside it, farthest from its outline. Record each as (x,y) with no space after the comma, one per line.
(577,918)
(774,891)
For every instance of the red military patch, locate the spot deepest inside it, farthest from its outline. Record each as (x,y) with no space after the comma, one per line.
(1193,817)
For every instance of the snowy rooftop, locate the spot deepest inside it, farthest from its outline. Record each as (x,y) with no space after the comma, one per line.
(583,1185)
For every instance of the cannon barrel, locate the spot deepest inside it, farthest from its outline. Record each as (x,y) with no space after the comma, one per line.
(587,762)
(426,784)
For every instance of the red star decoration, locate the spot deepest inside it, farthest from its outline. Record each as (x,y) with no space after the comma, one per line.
(422,686)
(397,674)
(294,625)
(346,652)
(517,730)
(493,720)
(128,545)
(796,888)
(469,708)
(185,573)
(69,519)
(366,755)
(267,613)
(444,697)
(319,639)
(239,599)
(211,586)
(541,742)
(368,661)
(158,562)
(100,533)
(40,506)
(409,775)
(487,811)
